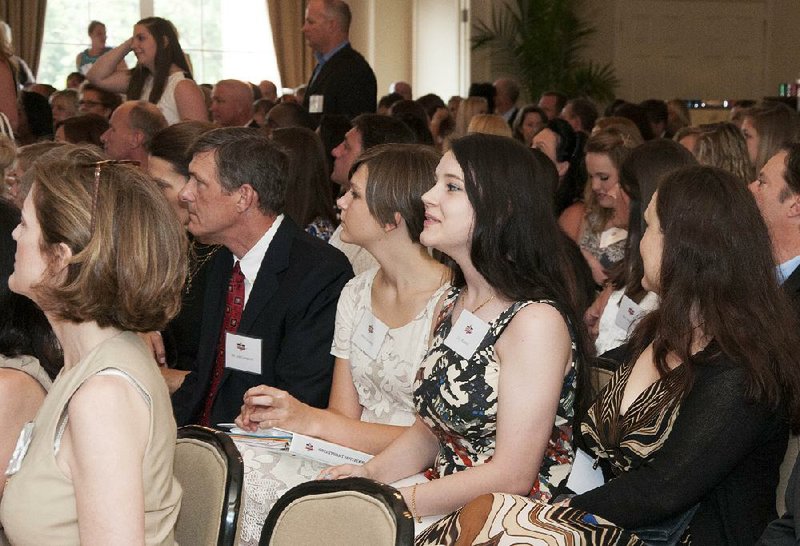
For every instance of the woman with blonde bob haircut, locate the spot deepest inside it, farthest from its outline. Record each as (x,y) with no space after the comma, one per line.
(489,124)
(96,467)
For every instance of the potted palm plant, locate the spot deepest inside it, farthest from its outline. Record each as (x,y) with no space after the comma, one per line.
(541,42)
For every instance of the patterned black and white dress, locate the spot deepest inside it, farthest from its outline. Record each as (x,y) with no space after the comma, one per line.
(457,399)
(668,451)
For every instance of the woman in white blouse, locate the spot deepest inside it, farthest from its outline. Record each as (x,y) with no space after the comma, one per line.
(384,315)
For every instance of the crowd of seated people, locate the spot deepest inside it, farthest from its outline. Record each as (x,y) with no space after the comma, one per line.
(434,284)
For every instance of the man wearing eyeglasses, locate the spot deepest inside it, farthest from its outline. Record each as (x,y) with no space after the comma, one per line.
(98,101)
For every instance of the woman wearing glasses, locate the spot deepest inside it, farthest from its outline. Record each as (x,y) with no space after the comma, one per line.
(95,466)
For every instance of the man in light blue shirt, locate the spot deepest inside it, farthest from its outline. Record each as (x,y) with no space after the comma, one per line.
(777,193)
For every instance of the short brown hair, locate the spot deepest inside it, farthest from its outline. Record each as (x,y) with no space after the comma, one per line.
(147,118)
(397,176)
(246,156)
(118,276)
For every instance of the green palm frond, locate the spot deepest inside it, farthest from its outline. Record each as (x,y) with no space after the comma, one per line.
(542,41)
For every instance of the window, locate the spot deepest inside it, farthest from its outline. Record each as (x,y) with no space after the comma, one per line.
(222,43)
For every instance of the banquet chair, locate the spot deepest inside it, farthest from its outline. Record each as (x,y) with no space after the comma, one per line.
(210,470)
(337,513)
(792,451)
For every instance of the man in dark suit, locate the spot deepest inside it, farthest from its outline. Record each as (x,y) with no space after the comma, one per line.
(505,99)
(342,81)
(270,301)
(777,193)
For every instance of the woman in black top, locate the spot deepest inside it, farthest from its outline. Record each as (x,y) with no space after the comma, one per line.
(691,430)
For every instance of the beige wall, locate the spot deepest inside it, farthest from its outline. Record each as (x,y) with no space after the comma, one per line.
(422,42)
(719,48)
(773,38)
(382,31)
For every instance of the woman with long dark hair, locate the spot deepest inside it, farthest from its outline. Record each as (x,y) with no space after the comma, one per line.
(308,197)
(692,428)
(162,74)
(496,392)
(559,142)
(175,348)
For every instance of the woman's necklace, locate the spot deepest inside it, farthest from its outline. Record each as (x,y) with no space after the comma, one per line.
(478,308)
(198,260)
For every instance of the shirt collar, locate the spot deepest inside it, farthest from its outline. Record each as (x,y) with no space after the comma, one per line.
(251,262)
(786,269)
(322,59)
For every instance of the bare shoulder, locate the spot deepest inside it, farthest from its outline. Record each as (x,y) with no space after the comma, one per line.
(107,397)
(187,85)
(189,88)
(538,318)
(18,385)
(538,328)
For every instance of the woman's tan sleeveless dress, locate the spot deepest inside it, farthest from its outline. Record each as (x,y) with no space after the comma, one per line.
(38,505)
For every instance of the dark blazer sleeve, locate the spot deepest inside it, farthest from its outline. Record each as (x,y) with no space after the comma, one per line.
(347,84)
(715,431)
(304,364)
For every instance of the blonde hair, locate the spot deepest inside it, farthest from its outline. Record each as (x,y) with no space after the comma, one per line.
(489,124)
(722,145)
(469,107)
(624,125)
(127,278)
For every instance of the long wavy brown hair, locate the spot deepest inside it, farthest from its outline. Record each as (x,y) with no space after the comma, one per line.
(168,52)
(717,271)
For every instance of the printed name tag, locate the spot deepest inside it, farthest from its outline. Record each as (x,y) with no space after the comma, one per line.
(467,334)
(611,236)
(370,334)
(242,353)
(315,103)
(584,477)
(628,313)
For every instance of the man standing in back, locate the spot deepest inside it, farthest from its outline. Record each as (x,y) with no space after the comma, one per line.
(342,81)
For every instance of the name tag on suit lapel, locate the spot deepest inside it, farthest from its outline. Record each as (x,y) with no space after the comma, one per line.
(315,104)
(243,353)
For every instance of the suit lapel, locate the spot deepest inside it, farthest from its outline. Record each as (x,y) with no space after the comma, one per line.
(275,261)
(325,70)
(215,296)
